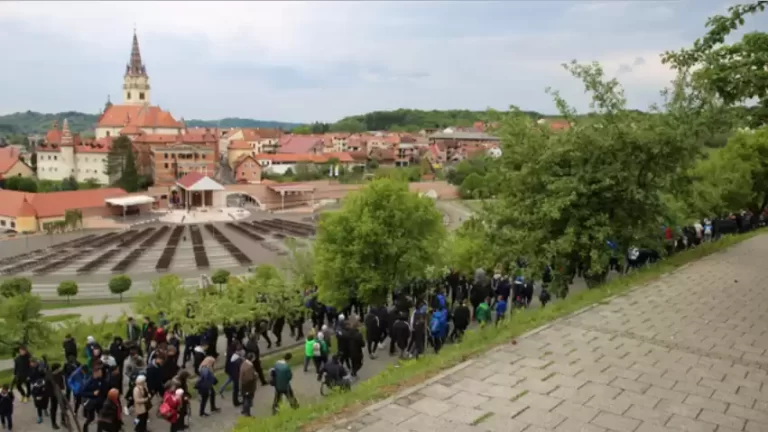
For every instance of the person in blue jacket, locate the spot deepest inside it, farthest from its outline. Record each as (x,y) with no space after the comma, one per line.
(94,393)
(438,328)
(501,309)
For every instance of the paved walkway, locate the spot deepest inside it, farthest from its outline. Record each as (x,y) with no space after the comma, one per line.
(686,353)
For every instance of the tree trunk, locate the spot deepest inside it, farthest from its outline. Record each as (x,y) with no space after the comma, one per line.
(121,297)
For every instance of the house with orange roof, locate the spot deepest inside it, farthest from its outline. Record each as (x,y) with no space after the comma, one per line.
(280,163)
(259,140)
(30,212)
(12,165)
(247,170)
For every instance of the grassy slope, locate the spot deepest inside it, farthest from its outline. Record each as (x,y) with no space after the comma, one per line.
(412,372)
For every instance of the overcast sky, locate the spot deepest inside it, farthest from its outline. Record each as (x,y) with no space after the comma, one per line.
(322,61)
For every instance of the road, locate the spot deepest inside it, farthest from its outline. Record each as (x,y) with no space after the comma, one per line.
(684,353)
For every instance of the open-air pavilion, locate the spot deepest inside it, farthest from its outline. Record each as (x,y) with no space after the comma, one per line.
(131,205)
(291,190)
(196,190)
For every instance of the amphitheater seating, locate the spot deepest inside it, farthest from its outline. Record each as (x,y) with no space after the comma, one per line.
(198,247)
(131,258)
(261,229)
(233,250)
(242,228)
(164,262)
(126,242)
(83,250)
(284,228)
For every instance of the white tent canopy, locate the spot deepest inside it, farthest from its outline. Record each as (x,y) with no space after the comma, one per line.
(130,200)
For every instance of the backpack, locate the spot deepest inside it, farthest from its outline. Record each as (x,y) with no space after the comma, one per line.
(37,388)
(165,411)
(434,324)
(77,381)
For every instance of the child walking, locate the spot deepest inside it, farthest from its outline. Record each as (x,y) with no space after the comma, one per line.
(6,408)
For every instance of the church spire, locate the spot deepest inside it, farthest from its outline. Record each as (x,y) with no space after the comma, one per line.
(135,67)
(66,134)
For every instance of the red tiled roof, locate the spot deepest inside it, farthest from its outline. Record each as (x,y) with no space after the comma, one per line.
(99,145)
(298,143)
(190,179)
(53,204)
(53,136)
(131,129)
(9,156)
(239,145)
(305,157)
(139,115)
(244,158)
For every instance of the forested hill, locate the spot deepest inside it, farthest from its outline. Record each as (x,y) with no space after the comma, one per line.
(31,122)
(409,120)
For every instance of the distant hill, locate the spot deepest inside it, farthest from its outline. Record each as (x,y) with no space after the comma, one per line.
(410,120)
(31,122)
(236,122)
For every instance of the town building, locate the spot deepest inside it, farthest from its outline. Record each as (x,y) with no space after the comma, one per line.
(64,154)
(12,164)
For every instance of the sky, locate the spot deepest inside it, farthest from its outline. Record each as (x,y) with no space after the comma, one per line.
(321,61)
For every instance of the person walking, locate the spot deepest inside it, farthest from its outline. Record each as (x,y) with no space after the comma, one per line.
(6,407)
(141,403)
(281,376)
(111,413)
(247,379)
(205,386)
(21,370)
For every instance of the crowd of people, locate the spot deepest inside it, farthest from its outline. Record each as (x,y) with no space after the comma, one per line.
(146,370)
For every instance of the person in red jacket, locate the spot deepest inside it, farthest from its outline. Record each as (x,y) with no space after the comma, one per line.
(160,336)
(170,408)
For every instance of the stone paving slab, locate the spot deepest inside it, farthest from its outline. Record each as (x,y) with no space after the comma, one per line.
(684,353)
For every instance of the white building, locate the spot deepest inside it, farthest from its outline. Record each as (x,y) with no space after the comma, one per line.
(64,154)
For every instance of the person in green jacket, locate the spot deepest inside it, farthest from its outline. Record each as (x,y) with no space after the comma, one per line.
(281,376)
(309,350)
(483,313)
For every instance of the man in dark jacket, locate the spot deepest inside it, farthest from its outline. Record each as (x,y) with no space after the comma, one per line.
(94,392)
(190,342)
(21,370)
(401,333)
(461,317)
(155,383)
(356,344)
(132,331)
(281,376)
(252,347)
(343,350)
(372,333)
(70,346)
(277,330)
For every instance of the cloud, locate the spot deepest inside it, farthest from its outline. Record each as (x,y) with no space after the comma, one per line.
(306,61)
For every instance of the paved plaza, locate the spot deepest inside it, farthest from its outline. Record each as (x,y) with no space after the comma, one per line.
(686,353)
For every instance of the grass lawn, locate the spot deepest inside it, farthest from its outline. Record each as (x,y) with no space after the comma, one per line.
(46,305)
(411,372)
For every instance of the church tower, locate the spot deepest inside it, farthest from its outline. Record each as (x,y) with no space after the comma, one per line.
(136,81)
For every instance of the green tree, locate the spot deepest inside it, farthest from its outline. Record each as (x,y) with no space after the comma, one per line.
(220,277)
(22,184)
(67,289)
(736,176)
(301,263)
(118,153)
(467,248)
(73,218)
(472,187)
(302,130)
(736,72)
(119,285)
(69,184)
(382,236)
(15,286)
(90,183)
(563,195)
(129,180)
(22,323)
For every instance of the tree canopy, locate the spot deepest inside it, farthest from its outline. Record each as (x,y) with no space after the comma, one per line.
(563,195)
(383,236)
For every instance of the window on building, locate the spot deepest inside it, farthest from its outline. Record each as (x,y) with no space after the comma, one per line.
(141,95)
(55,158)
(128,95)
(13,224)
(2,222)
(166,166)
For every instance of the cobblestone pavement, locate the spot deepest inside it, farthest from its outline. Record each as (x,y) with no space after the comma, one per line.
(686,353)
